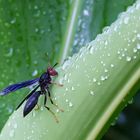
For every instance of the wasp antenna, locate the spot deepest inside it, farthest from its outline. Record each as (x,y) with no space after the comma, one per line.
(55,64)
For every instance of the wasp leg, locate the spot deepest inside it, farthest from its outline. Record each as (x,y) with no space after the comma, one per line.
(58,84)
(53,102)
(55,117)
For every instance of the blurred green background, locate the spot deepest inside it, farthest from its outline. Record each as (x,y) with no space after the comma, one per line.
(30,29)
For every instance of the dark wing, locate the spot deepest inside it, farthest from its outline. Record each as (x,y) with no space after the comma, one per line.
(28,96)
(17,86)
(31,102)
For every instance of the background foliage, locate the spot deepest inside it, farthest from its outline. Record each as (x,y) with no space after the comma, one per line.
(29,29)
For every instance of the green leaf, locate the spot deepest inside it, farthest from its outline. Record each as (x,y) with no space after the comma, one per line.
(29,29)
(98,82)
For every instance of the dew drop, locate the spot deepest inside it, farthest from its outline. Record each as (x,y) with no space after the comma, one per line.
(94,80)
(91,51)
(106,42)
(72,88)
(138,46)
(12,133)
(13,21)
(134,50)
(86,13)
(36,30)
(126,19)
(33,114)
(35,7)
(66,100)
(68,80)
(130,101)
(41,108)
(35,72)
(92,93)
(138,36)
(115,28)
(128,58)
(99,83)
(15,125)
(112,65)
(35,62)
(134,57)
(10,52)
(9,124)
(61,81)
(70,104)
(32,131)
(103,78)
(57,110)
(106,70)
(10,110)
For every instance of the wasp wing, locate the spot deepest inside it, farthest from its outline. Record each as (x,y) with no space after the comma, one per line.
(17,86)
(28,96)
(31,102)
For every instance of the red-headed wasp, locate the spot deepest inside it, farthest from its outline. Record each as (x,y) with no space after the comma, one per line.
(43,83)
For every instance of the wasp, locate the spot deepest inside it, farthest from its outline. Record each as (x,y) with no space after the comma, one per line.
(31,99)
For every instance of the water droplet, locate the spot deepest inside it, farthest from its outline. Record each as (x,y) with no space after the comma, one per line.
(44,12)
(10,52)
(114,121)
(15,125)
(108,54)
(115,28)
(138,46)
(68,80)
(112,65)
(130,101)
(66,100)
(103,78)
(33,114)
(32,131)
(13,21)
(61,81)
(91,51)
(106,70)
(134,50)
(94,80)
(138,36)
(128,58)
(36,30)
(70,104)
(41,108)
(98,83)
(72,88)
(9,123)
(86,13)
(35,72)
(10,109)
(134,57)
(12,133)
(106,42)
(35,7)
(126,19)
(92,93)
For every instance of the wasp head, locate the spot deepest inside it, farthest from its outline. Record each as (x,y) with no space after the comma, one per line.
(52,71)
